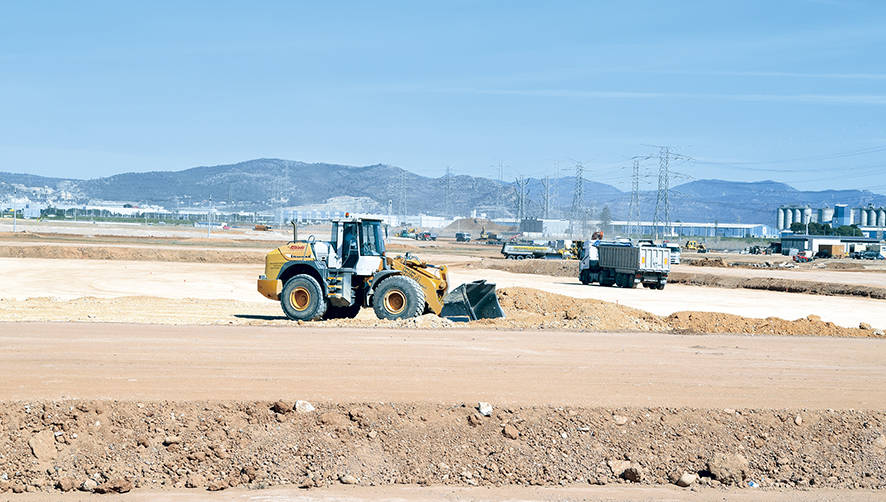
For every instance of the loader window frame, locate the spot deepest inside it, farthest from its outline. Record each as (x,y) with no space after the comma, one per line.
(372,243)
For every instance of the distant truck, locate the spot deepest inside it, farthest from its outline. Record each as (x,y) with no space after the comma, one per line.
(462,237)
(549,251)
(624,265)
(425,236)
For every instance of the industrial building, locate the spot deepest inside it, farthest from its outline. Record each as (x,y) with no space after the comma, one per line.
(870,220)
(793,243)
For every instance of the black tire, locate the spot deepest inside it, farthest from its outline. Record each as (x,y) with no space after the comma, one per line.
(583,277)
(607,280)
(349,312)
(398,297)
(302,298)
(661,285)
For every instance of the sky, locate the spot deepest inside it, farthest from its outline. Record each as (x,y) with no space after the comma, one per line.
(792,91)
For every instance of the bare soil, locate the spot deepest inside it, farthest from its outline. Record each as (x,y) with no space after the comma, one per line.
(122,445)
(524,308)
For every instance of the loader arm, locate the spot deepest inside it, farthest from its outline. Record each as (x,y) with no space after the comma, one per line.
(431,278)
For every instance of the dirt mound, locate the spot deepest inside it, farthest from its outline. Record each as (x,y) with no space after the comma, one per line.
(474,226)
(525,308)
(718,322)
(531,308)
(704,261)
(131,254)
(557,268)
(66,445)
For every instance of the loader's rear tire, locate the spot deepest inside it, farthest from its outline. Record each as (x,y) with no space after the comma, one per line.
(302,298)
(398,297)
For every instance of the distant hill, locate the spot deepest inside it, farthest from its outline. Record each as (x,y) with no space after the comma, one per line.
(265,184)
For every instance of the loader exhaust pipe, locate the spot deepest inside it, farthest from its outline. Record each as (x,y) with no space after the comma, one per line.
(472,301)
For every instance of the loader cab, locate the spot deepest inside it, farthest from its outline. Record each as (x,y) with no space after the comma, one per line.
(359,244)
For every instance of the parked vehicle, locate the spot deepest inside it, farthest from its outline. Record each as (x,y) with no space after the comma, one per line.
(624,265)
(550,251)
(675,252)
(425,236)
(803,257)
(872,255)
(463,237)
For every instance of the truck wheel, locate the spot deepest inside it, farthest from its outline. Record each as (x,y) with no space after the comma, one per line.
(398,297)
(583,277)
(661,285)
(302,298)
(607,280)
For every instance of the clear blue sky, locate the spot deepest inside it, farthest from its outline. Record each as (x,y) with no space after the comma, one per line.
(746,88)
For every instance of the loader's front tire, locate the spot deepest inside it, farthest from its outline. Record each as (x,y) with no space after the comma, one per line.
(398,297)
(302,298)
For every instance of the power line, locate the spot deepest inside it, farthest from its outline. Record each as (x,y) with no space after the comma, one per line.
(520,184)
(546,197)
(634,209)
(576,212)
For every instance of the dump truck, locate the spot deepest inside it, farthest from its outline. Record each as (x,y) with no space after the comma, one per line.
(520,251)
(334,279)
(624,265)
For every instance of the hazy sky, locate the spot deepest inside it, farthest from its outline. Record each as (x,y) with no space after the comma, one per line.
(793,91)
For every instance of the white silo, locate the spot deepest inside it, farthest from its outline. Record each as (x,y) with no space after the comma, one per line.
(807,215)
(788,217)
(827,215)
(798,215)
(780,218)
(881,217)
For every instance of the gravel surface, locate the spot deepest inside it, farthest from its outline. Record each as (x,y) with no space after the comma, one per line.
(117,446)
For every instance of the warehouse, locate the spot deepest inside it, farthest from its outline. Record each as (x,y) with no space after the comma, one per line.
(793,243)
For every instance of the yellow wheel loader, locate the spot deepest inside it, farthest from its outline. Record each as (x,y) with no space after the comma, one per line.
(334,279)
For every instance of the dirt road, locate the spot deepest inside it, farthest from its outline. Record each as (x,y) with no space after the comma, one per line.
(107,361)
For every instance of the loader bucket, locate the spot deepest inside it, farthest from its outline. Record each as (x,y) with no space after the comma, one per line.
(471,301)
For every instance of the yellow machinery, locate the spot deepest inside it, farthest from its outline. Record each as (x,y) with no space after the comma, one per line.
(695,246)
(336,278)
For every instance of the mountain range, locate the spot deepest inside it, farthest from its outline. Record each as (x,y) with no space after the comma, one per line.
(265,184)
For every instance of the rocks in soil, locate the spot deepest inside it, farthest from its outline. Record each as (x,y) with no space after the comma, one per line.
(42,445)
(864,326)
(89,485)
(510,432)
(485,409)
(114,486)
(347,479)
(241,443)
(729,468)
(303,407)
(686,479)
(281,407)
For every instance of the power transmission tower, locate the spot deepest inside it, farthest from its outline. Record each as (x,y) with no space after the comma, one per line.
(577,212)
(520,184)
(546,197)
(662,204)
(634,209)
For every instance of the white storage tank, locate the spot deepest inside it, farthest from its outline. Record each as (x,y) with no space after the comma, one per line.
(781,218)
(881,217)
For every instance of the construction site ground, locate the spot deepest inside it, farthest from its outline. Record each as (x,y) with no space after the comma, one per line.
(172,377)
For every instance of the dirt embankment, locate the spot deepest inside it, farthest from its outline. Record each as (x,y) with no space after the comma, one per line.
(774,284)
(116,446)
(131,254)
(569,268)
(525,309)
